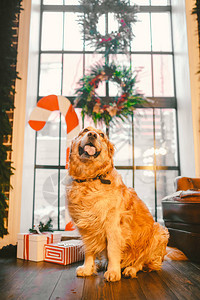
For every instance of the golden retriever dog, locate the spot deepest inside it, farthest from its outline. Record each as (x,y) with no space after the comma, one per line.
(109,216)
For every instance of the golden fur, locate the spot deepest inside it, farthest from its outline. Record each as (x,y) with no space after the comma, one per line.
(110,217)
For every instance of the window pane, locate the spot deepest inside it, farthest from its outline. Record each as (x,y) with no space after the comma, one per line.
(165,186)
(89,122)
(112,23)
(142,65)
(120,60)
(73,39)
(64,135)
(89,47)
(161,32)
(50,74)
(144,187)
(163,75)
(52,31)
(63,141)
(127,177)
(101,29)
(91,60)
(71,2)
(101,26)
(46,197)
(63,179)
(143,137)
(114,89)
(160,2)
(72,72)
(139,2)
(141,30)
(121,136)
(48,141)
(166,140)
(52,2)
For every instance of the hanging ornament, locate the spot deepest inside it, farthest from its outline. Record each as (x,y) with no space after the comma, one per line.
(43,110)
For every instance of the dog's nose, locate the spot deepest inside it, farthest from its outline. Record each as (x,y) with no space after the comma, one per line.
(92,135)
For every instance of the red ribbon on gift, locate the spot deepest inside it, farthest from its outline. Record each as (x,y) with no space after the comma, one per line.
(50,239)
(26,246)
(26,243)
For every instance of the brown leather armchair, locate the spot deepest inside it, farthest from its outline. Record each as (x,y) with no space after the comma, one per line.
(186,183)
(181,214)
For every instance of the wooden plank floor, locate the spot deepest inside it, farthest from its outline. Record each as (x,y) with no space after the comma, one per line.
(29,280)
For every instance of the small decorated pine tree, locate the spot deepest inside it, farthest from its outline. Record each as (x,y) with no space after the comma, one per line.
(48,227)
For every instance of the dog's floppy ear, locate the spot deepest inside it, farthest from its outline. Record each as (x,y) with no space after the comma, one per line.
(111,149)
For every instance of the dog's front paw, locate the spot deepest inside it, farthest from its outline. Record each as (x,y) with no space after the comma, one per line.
(85,271)
(112,275)
(130,272)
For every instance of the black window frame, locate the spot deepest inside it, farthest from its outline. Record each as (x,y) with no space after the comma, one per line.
(157,103)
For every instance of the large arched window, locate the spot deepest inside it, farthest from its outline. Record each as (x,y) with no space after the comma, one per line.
(146,145)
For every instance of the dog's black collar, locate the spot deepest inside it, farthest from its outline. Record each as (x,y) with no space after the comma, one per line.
(100,177)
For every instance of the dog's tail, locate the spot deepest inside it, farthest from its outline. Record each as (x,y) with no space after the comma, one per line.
(174,254)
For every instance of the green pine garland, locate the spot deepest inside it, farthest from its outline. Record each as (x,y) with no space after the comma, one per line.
(196,10)
(112,107)
(9,9)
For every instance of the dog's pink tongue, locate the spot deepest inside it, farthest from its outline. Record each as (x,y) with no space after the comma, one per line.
(90,150)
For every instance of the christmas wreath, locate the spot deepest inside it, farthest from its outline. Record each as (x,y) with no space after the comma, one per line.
(123,13)
(105,109)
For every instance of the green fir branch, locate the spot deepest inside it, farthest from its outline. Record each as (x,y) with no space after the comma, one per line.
(196,10)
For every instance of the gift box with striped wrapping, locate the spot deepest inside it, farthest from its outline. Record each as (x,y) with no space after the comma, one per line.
(31,246)
(64,253)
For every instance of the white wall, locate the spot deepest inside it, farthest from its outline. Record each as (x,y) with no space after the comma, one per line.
(183,89)
(194,64)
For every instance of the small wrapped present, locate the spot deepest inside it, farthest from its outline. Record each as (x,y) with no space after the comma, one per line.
(64,253)
(31,246)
